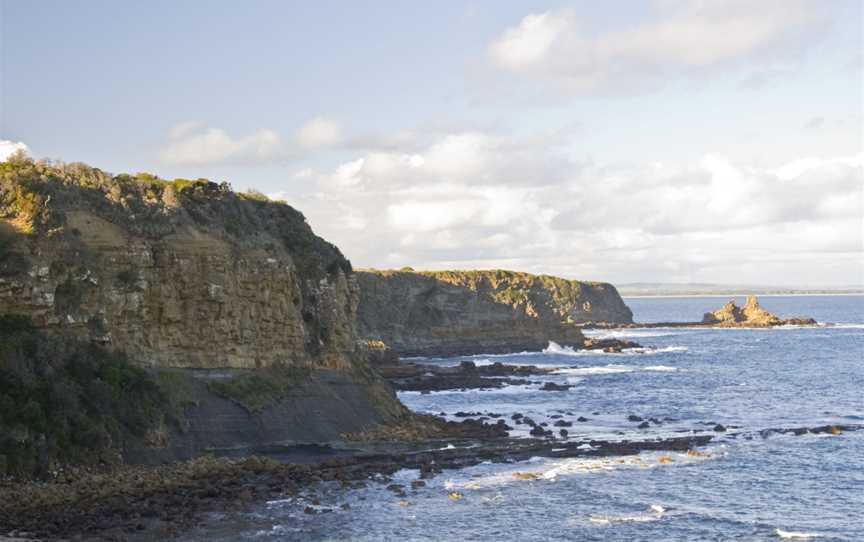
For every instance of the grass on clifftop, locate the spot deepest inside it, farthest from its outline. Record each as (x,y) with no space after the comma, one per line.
(36,195)
(508,287)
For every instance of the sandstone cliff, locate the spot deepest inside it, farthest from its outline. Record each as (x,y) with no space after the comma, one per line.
(189,274)
(468,312)
(180,274)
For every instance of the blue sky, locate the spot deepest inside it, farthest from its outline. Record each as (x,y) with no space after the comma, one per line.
(628,141)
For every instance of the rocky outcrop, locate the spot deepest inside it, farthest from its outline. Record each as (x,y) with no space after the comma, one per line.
(189,274)
(469,312)
(750,315)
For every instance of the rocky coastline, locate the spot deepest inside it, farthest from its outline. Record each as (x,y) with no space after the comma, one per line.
(130,503)
(260,363)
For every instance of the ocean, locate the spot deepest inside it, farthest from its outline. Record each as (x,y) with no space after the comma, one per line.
(750,483)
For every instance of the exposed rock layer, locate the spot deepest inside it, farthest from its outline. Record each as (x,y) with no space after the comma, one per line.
(468,312)
(189,274)
(196,276)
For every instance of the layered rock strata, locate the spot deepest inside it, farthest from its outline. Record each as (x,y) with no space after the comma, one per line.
(191,275)
(469,312)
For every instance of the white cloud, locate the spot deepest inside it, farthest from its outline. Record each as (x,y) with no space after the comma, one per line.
(8,148)
(318,132)
(479,200)
(191,143)
(560,48)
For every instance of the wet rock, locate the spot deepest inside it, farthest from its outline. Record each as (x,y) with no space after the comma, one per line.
(719,428)
(563,423)
(582,419)
(563,432)
(644,425)
(634,418)
(612,346)
(537,431)
(552,386)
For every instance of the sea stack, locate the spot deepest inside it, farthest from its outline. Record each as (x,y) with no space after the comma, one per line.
(750,315)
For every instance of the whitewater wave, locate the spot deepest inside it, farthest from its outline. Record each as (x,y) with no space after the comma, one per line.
(841,326)
(556,349)
(628,333)
(605,370)
(660,368)
(506,390)
(607,520)
(656,512)
(613,368)
(794,535)
(548,470)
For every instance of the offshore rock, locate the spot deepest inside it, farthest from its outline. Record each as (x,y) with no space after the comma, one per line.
(750,315)
(445,313)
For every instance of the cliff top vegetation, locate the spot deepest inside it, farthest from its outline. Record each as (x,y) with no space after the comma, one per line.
(35,197)
(510,287)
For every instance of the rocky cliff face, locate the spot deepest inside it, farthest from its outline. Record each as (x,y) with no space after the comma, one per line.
(175,274)
(191,275)
(466,312)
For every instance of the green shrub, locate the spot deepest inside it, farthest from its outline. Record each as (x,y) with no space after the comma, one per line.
(61,401)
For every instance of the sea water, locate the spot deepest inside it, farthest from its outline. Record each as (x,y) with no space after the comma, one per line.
(743,486)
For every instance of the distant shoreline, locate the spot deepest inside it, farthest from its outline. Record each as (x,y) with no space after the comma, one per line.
(833,294)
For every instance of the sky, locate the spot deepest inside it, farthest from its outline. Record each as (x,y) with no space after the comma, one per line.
(655,141)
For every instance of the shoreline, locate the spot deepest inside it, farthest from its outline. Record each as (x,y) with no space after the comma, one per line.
(161,502)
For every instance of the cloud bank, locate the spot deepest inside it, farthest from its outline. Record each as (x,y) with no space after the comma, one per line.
(558,48)
(192,143)
(475,199)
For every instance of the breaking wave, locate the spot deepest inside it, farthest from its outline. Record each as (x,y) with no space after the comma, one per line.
(627,333)
(556,349)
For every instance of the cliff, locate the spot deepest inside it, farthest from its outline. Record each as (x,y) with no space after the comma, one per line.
(469,312)
(177,274)
(189,274)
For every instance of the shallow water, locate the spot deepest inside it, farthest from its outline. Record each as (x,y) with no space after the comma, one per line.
(746,488)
